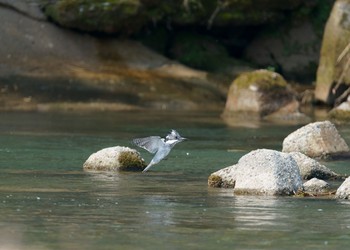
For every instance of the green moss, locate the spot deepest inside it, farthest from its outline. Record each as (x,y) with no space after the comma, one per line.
(264,80)
(338,114)
(130,161)
(215,181)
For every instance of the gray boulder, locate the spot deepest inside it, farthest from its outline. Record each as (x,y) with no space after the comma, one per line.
(343,192)
(310,168)
(262,171)
(316,140)
(115,159)
(316,186)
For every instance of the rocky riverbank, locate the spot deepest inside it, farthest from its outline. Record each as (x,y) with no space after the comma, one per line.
(52,58)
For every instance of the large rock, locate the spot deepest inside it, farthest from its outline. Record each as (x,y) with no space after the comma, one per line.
(262,171)
(335,38)
(115,159)
(129,16)
(343,192)
(261,94)
(44,67)
(316,140)
(310,168)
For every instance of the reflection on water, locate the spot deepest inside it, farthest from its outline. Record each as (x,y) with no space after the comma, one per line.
(48,202)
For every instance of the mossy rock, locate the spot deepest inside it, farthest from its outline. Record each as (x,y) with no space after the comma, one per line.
(115,159)
(110,16)
(260,93)
(129,16)
(341,113)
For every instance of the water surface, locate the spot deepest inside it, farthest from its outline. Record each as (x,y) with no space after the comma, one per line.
(48,202)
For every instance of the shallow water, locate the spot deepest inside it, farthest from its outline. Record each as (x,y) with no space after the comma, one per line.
(48,202)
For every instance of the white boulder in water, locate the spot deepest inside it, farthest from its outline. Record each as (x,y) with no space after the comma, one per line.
(115,159)
(262,171)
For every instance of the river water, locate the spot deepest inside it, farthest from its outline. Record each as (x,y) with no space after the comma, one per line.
(47,201)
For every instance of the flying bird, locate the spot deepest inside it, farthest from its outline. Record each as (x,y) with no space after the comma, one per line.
(159,146)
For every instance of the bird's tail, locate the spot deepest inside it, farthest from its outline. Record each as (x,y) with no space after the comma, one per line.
(148,167)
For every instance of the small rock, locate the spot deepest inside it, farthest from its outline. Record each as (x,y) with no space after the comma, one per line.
(316,186)
(115,159)
(341,112)
(343,192)
(316,140)
(262,171)
(310,168)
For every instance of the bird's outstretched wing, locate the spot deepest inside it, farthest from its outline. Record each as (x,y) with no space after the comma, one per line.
(151,143)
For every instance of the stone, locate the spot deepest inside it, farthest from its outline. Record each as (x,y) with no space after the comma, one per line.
(261,172)
(316,186)
(316,140)
(224,178)
(115,159)
(341,112)
(261,93)
(343,192)
(335,39)
(310,168)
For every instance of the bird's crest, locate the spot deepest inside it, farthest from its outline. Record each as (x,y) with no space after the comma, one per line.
(173,135)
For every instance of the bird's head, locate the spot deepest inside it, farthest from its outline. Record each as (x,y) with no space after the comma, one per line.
(174,137)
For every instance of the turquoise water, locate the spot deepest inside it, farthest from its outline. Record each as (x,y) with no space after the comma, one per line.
(48,202)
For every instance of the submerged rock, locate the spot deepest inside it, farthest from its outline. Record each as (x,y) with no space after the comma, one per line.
(316,140)
(115,159)
(262,171)
(262,94)
(343,192)
(310,168)
(316,186)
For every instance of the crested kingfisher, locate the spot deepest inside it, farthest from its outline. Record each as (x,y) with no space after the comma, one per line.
(161,147)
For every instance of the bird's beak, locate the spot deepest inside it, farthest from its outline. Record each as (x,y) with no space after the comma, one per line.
(183,138)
